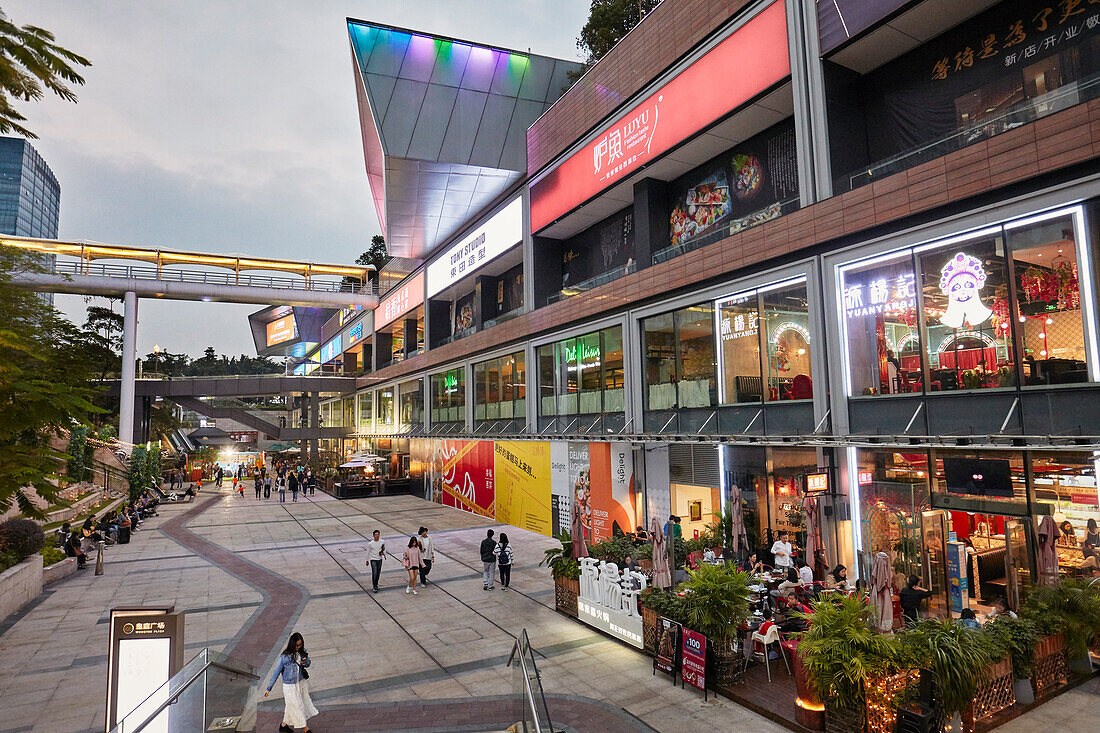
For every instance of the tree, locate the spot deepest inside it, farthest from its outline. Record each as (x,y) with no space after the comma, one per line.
(103,332)
(376,255)
(44,386)
(608,22)
(30,61)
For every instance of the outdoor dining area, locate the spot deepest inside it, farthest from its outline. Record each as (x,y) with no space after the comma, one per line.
(801,647)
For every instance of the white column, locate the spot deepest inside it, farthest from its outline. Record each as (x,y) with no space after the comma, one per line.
(129,359)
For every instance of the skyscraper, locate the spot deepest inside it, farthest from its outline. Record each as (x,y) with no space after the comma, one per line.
(29,193)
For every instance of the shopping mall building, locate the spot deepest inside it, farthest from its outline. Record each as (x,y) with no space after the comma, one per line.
(762,251)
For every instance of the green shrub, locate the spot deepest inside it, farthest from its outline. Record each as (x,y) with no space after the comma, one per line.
(613,550)
(958,656)
(716,601)
(22,537)
(1015,637)
(1070,606)
(560,559)
(52,555)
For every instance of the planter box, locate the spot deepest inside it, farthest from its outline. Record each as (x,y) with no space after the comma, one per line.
(1050,665)
(881,711)
(566,591)
(20,585)
(59,570)
(993,695)
(649,629)
(842,720)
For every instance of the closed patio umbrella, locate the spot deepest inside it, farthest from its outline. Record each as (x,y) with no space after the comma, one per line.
(661,576)
(1048,535)
(882,597)
(580,548)
(813,528)
(740,538)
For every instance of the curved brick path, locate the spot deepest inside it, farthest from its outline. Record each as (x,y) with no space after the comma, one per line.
(264,632)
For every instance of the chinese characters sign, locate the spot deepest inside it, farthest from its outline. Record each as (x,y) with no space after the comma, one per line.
(401,301)
(502,231)
(281,330)
(749,61)
(693,667)
(885,296)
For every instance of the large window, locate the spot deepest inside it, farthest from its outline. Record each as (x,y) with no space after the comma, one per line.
(366,412)
(385,406)
(449,396)
(963,315)
(412,403)
(679,352)
(500,388)
(582,375)
(787,336)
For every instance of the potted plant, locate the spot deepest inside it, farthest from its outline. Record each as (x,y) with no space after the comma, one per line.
(1072,607)
(841,654)
(959,658)
(656,602)
(715,604)
(566,573)
(1016,637)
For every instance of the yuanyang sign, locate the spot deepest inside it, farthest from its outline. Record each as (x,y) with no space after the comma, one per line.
(751,59)
(501,232)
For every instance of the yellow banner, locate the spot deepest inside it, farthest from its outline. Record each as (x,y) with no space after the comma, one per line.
(523,484)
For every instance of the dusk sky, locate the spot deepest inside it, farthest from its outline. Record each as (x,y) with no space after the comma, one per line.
(232,127)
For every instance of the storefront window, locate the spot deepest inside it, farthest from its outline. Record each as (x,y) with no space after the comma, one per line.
(1048,302)
(695,331)
(880,313)
(584,373)
(1066,483)
(412,403)
(500,389)
(613,374)
(366,412)
(659,335)
(385,406)
(787,334)
(893,489)
(969,343)
(547,401)
(739,337)
(449,396)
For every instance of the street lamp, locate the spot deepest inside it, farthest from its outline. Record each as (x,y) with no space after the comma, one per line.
(156,355)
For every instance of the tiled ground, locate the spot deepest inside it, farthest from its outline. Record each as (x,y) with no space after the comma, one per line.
(249,572)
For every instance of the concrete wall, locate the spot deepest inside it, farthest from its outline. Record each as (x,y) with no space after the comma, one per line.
(20,585)
(59,570)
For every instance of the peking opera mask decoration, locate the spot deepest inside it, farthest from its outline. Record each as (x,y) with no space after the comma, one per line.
(961,281)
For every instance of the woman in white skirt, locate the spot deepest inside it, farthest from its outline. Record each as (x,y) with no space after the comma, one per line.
(292,666)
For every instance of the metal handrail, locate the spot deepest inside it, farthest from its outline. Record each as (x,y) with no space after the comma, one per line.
(210,278)
(224,664)
(522,645)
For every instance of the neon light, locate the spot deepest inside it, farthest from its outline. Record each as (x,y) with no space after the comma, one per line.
(967,334)
(906,339)
(789,326)
(961,280)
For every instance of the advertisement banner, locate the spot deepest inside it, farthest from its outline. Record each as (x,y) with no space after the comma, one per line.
(693,664)
(667,658)
(957,582)
(580,486)
(523,484)
(749,61)
(466,476)
(610,489)
(561,497)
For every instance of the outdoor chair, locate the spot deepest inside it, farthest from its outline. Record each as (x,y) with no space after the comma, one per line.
(772,637)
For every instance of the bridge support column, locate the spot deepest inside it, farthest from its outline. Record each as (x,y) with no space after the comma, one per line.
(315,423)
(129,367)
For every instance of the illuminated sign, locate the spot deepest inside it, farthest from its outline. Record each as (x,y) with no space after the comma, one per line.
(751,59)
(145,650)
(782,328)
(817,483)
(585,352)
(355,335)
(866,478)
(501,232)
(331,350)
(450,382)
(400,301)
(738,325)
(880,296)
(608,600)
(961,279)
(280,330)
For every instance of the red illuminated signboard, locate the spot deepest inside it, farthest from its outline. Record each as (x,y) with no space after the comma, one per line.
(866,478)
(752,59)
(280,330)
(400,301)
(817,483)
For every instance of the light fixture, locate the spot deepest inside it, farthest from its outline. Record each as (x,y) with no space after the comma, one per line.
(1050,321)
(801,352)
(1023,318)
(1043,335)
(1043,352)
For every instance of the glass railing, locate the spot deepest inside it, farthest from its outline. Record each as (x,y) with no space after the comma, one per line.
(211,692)
(531,710)
(1015,116)
(594,282)
(769,212)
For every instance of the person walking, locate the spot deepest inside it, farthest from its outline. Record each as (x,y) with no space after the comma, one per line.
(282,490)
(298,707)
(488,560)
(376,550)
(293,481)
(267,487)
(411,561)
(504,556)
(428,546)
(259,484)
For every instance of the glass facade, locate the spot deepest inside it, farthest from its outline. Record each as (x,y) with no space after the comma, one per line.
(964,314)
(500,388)
(448,396)
(412,403)
(29,192)
(582,375)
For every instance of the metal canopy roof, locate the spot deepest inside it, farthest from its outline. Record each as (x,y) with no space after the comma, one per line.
(444,126)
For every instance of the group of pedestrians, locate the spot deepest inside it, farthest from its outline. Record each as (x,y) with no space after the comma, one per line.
(417,559)
(284,478)
(496,556)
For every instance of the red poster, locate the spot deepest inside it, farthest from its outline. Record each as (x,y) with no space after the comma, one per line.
(693,668)
(467,476)
(611,483)
(751,60)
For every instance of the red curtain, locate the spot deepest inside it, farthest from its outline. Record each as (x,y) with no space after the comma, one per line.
(969,358)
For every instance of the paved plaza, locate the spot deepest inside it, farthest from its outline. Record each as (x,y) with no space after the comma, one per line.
(249,572)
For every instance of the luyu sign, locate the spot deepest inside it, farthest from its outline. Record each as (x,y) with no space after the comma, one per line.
(609,600)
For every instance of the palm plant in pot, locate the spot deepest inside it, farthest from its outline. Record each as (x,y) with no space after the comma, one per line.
(841,653)
(560,559)
(958,657)
(1016,637)
(1076,604)
(715,604)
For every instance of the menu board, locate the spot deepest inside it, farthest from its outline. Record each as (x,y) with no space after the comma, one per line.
(601,248)
(693,664)
(737,189)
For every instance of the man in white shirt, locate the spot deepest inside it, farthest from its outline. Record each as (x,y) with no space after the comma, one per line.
(806,574)
(428,554)
(782,552)
(376,550)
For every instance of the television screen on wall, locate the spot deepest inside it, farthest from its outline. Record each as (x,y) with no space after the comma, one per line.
(978,476)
